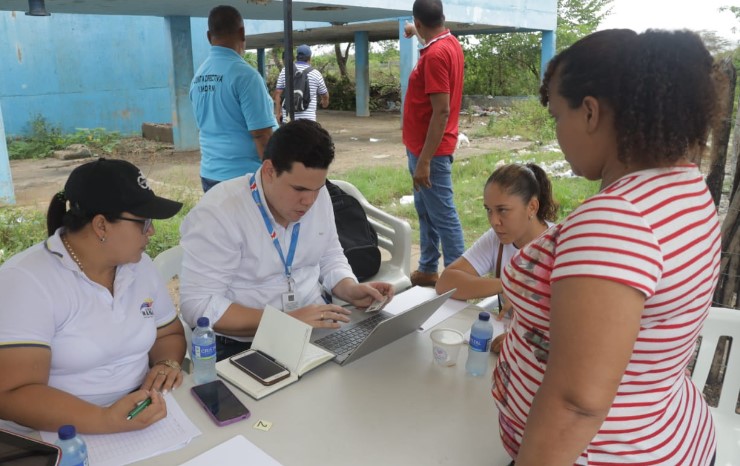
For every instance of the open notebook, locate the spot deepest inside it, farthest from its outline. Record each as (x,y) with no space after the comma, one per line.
(285,339)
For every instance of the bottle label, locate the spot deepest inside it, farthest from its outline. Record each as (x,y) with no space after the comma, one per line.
(479,344)
(204,351)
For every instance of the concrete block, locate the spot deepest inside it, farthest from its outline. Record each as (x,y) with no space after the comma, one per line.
(73,152)
(161,132)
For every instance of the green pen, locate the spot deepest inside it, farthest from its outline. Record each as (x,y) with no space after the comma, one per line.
(139,408)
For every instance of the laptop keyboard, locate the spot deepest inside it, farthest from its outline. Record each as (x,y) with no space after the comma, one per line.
(346,340)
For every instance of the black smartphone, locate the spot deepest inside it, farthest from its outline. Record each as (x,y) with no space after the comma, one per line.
(21,450)
(220,403)
(260,366)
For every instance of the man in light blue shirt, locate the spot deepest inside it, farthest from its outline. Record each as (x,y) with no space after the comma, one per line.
(232,106)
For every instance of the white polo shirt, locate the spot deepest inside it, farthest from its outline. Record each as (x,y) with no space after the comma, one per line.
(99,343)
(230,258)
(483,253)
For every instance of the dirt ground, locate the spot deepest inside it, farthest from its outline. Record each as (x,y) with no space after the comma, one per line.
(359,141)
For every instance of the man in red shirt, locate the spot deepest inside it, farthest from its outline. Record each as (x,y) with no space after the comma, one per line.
(430,118)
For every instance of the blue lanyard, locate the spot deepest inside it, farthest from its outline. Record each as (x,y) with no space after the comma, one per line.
(271,230)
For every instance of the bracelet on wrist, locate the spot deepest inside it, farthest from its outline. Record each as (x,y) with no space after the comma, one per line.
(169,363)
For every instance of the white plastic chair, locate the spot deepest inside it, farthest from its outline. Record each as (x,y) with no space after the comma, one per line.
(722,322)
(168,264)
(394,235)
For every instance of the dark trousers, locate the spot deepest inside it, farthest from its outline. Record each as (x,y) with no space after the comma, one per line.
(207,183)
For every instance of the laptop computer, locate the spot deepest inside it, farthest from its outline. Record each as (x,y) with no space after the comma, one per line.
(368,332)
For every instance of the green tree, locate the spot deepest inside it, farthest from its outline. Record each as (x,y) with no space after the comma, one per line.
(509,63)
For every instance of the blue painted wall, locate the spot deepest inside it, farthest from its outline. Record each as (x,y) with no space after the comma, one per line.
(81,71)
(112,72)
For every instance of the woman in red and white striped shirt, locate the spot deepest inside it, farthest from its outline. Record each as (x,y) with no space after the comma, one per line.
(609,303)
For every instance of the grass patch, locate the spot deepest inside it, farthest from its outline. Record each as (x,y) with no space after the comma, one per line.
(384,187)
(20,228)
(525,118)
(45,138)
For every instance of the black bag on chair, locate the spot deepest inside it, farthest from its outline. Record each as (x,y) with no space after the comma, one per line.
(357,236)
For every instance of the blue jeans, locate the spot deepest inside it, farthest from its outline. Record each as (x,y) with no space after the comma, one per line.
(438,219)
(207,183)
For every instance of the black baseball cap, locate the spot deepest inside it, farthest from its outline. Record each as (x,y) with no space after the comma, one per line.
(108,186)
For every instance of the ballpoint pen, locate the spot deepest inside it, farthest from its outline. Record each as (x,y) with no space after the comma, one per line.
(139,408)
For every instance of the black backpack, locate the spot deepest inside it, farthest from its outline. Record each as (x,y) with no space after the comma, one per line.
(301,90)
(358,238)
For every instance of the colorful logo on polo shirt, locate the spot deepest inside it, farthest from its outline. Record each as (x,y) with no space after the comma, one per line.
(147,308)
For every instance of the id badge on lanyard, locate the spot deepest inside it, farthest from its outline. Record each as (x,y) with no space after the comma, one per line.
(289,298)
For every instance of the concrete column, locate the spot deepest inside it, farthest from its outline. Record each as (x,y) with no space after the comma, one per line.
(409,50)
(362,73)
(184,129)
(548,50)
(261,63)
(7,195)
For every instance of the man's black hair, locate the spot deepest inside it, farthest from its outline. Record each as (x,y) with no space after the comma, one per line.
(303,141)
(224,21)
(429,12)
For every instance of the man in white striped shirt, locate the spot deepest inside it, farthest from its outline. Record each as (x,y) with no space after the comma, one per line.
(315,83)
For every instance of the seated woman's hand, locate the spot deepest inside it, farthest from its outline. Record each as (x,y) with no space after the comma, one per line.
(497,343)
(117,413)
(163,377)
(322,315)
(506,310)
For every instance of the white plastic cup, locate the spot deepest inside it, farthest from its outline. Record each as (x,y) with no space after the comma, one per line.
(446,344)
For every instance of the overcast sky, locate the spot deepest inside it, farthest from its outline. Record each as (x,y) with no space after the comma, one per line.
(674,14)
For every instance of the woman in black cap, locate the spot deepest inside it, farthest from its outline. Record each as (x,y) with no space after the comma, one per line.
(87,326)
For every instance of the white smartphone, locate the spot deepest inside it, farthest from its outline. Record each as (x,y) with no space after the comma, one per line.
(377,305)
(260,366)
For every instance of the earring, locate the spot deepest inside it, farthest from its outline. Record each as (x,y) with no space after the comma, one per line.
(102,239)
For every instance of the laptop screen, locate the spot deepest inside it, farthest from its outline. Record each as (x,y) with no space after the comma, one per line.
(17,450)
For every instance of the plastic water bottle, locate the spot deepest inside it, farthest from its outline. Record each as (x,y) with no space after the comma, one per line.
(204,352)
(481,335)
(74,450)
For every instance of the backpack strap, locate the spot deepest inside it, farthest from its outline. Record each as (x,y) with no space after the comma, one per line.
(498,260)
(498,273)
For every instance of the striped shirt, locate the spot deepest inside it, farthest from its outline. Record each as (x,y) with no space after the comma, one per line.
(656,231)
(315,83)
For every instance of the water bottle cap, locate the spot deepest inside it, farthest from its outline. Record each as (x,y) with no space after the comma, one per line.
(484,316)
(67,432)
(203,322)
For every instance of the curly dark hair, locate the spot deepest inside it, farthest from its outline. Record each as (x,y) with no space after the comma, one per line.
(658,83)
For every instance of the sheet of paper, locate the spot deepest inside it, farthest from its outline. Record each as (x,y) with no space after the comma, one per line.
(419,294)
(237,451)
(171,433)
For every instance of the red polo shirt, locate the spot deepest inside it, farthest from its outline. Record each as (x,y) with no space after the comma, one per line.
(438,71)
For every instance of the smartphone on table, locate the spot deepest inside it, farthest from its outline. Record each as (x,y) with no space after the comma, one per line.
(260,366)
(220,402)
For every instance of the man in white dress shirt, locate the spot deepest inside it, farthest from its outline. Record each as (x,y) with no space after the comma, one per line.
(270,238)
